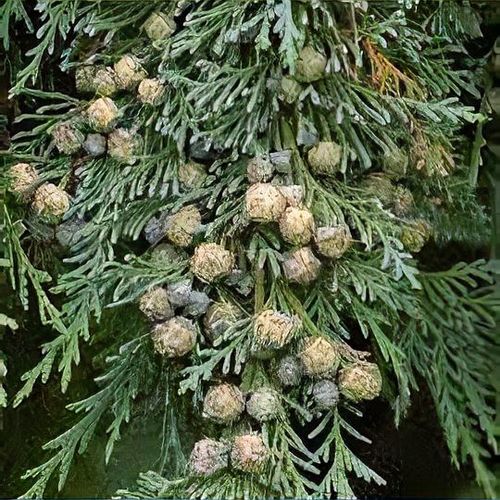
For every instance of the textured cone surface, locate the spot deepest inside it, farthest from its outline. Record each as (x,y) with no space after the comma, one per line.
(22,176)
(67,138)
(102,114)
(415,235)
(211,262)
(155,305)
(259,169)
(360,381)
(311,65)
(50,200)
(289,371)
(249,453)
(123,145)
(333,241)
(208,456)
(263,405)
(84,78)
(325,394)
(129,72)
(301,266)
(183,225)
(159,26)
(150,91)
(105,82)
(294,194)
(324,158)
(174,338)
(95,144)
(219,317)
(223,403)
(192,175)
(274,328)
(264,202)
(319,356)
(297,226)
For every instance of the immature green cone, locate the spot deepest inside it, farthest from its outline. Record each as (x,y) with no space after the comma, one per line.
(360,381)
(274,329)
(259,169)
(249,453)
(324,158)
(208,456)
(165,255)
(174,338)
(380,187)
(151,91)
(155,305)
(67,138)
(102,114)
(325,394)
(192,175)
(219,317)
(290,90)
(22,177)
(182,226)
(333,241)
(223,403)
(50,200)
(264,202)
(395,163)
(297,226)
(289,371)
(124,145)
(319,356)
(403,202)
(301,266)
(211,262)
(159,26)
(264,405)
(415,235)
(84,78)
(311,65)
(129,72)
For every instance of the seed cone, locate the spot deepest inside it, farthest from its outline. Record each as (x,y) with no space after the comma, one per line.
(223,403)
(333,241)
(311,65)
(174,338)
(274,329)
(155,305)
(67,138)
(50,200)
(360,381)
(129,72)
(264,405)
(297,226)
(102,114)
(192,175)
(219,317)
(264,202)
(182,226)
(208,456)
(159,26)
(259,169)
(289,371)
(123,145)
(22,176)
(301,266)
(325,394)
(211,262)
(319,356)
(249,453)
(324,158)
(151,91)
